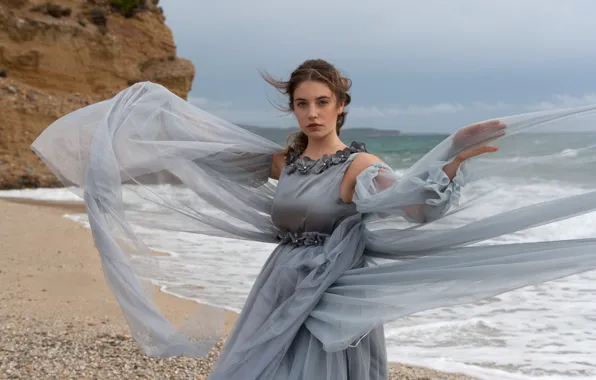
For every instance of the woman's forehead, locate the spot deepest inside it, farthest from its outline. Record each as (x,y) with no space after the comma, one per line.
(312,90)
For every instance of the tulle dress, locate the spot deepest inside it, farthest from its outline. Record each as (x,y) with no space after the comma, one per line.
(407,243)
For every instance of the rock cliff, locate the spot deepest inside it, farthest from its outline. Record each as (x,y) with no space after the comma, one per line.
(61,55)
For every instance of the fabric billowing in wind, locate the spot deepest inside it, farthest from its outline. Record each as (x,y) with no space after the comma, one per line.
(426,243)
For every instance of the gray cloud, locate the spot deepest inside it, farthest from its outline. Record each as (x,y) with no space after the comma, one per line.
(563,101)
(421,65)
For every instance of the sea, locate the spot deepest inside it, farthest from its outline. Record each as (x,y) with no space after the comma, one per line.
(543,332)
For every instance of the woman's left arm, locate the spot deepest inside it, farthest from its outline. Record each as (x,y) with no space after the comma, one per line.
(421,196)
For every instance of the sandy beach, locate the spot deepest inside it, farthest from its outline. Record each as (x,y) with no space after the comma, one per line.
(58,318)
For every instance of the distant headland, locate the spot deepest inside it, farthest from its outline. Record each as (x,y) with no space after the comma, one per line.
(345,132)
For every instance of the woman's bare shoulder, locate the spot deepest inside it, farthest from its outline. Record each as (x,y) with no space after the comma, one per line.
(361,162)
(277,165)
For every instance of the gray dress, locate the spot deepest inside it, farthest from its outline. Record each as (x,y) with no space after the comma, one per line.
(408,243)
(320,238)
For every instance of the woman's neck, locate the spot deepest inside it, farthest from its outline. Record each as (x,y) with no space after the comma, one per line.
(327,145)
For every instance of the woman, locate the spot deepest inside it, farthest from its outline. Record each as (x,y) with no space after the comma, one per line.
(317,308)
(320,239)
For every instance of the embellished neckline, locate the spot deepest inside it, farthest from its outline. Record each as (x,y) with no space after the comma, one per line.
(305,164)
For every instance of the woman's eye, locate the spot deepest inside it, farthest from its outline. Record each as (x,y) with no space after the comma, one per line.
(301,104)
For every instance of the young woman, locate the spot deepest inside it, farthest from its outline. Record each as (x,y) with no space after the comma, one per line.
(317,308)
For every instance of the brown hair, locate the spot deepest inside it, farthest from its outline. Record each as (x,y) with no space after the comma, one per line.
(317,70)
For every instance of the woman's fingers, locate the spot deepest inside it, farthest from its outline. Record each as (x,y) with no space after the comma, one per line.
(481,143)
(480,133)
(473,152)
(490,139)
(486,125)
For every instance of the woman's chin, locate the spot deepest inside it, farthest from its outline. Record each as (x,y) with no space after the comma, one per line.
(316,133)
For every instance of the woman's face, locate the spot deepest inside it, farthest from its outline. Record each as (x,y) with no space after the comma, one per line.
(316,109)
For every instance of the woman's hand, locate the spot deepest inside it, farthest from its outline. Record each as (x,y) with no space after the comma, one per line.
(472,141)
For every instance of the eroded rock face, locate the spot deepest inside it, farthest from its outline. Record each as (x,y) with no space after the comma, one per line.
(58,56)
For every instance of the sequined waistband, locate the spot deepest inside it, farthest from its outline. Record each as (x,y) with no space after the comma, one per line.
(302,238)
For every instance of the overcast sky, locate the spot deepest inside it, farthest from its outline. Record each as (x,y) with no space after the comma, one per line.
(416,65)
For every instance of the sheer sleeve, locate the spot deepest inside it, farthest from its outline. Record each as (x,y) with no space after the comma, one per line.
(419,198)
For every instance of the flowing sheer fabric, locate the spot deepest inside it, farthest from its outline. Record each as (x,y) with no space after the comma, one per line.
(194,172)
(426,243)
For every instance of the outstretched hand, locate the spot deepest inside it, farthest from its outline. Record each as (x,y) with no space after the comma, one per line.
(473,141)
(480,133)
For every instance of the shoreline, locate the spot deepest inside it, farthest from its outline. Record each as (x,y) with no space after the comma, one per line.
(55,300)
